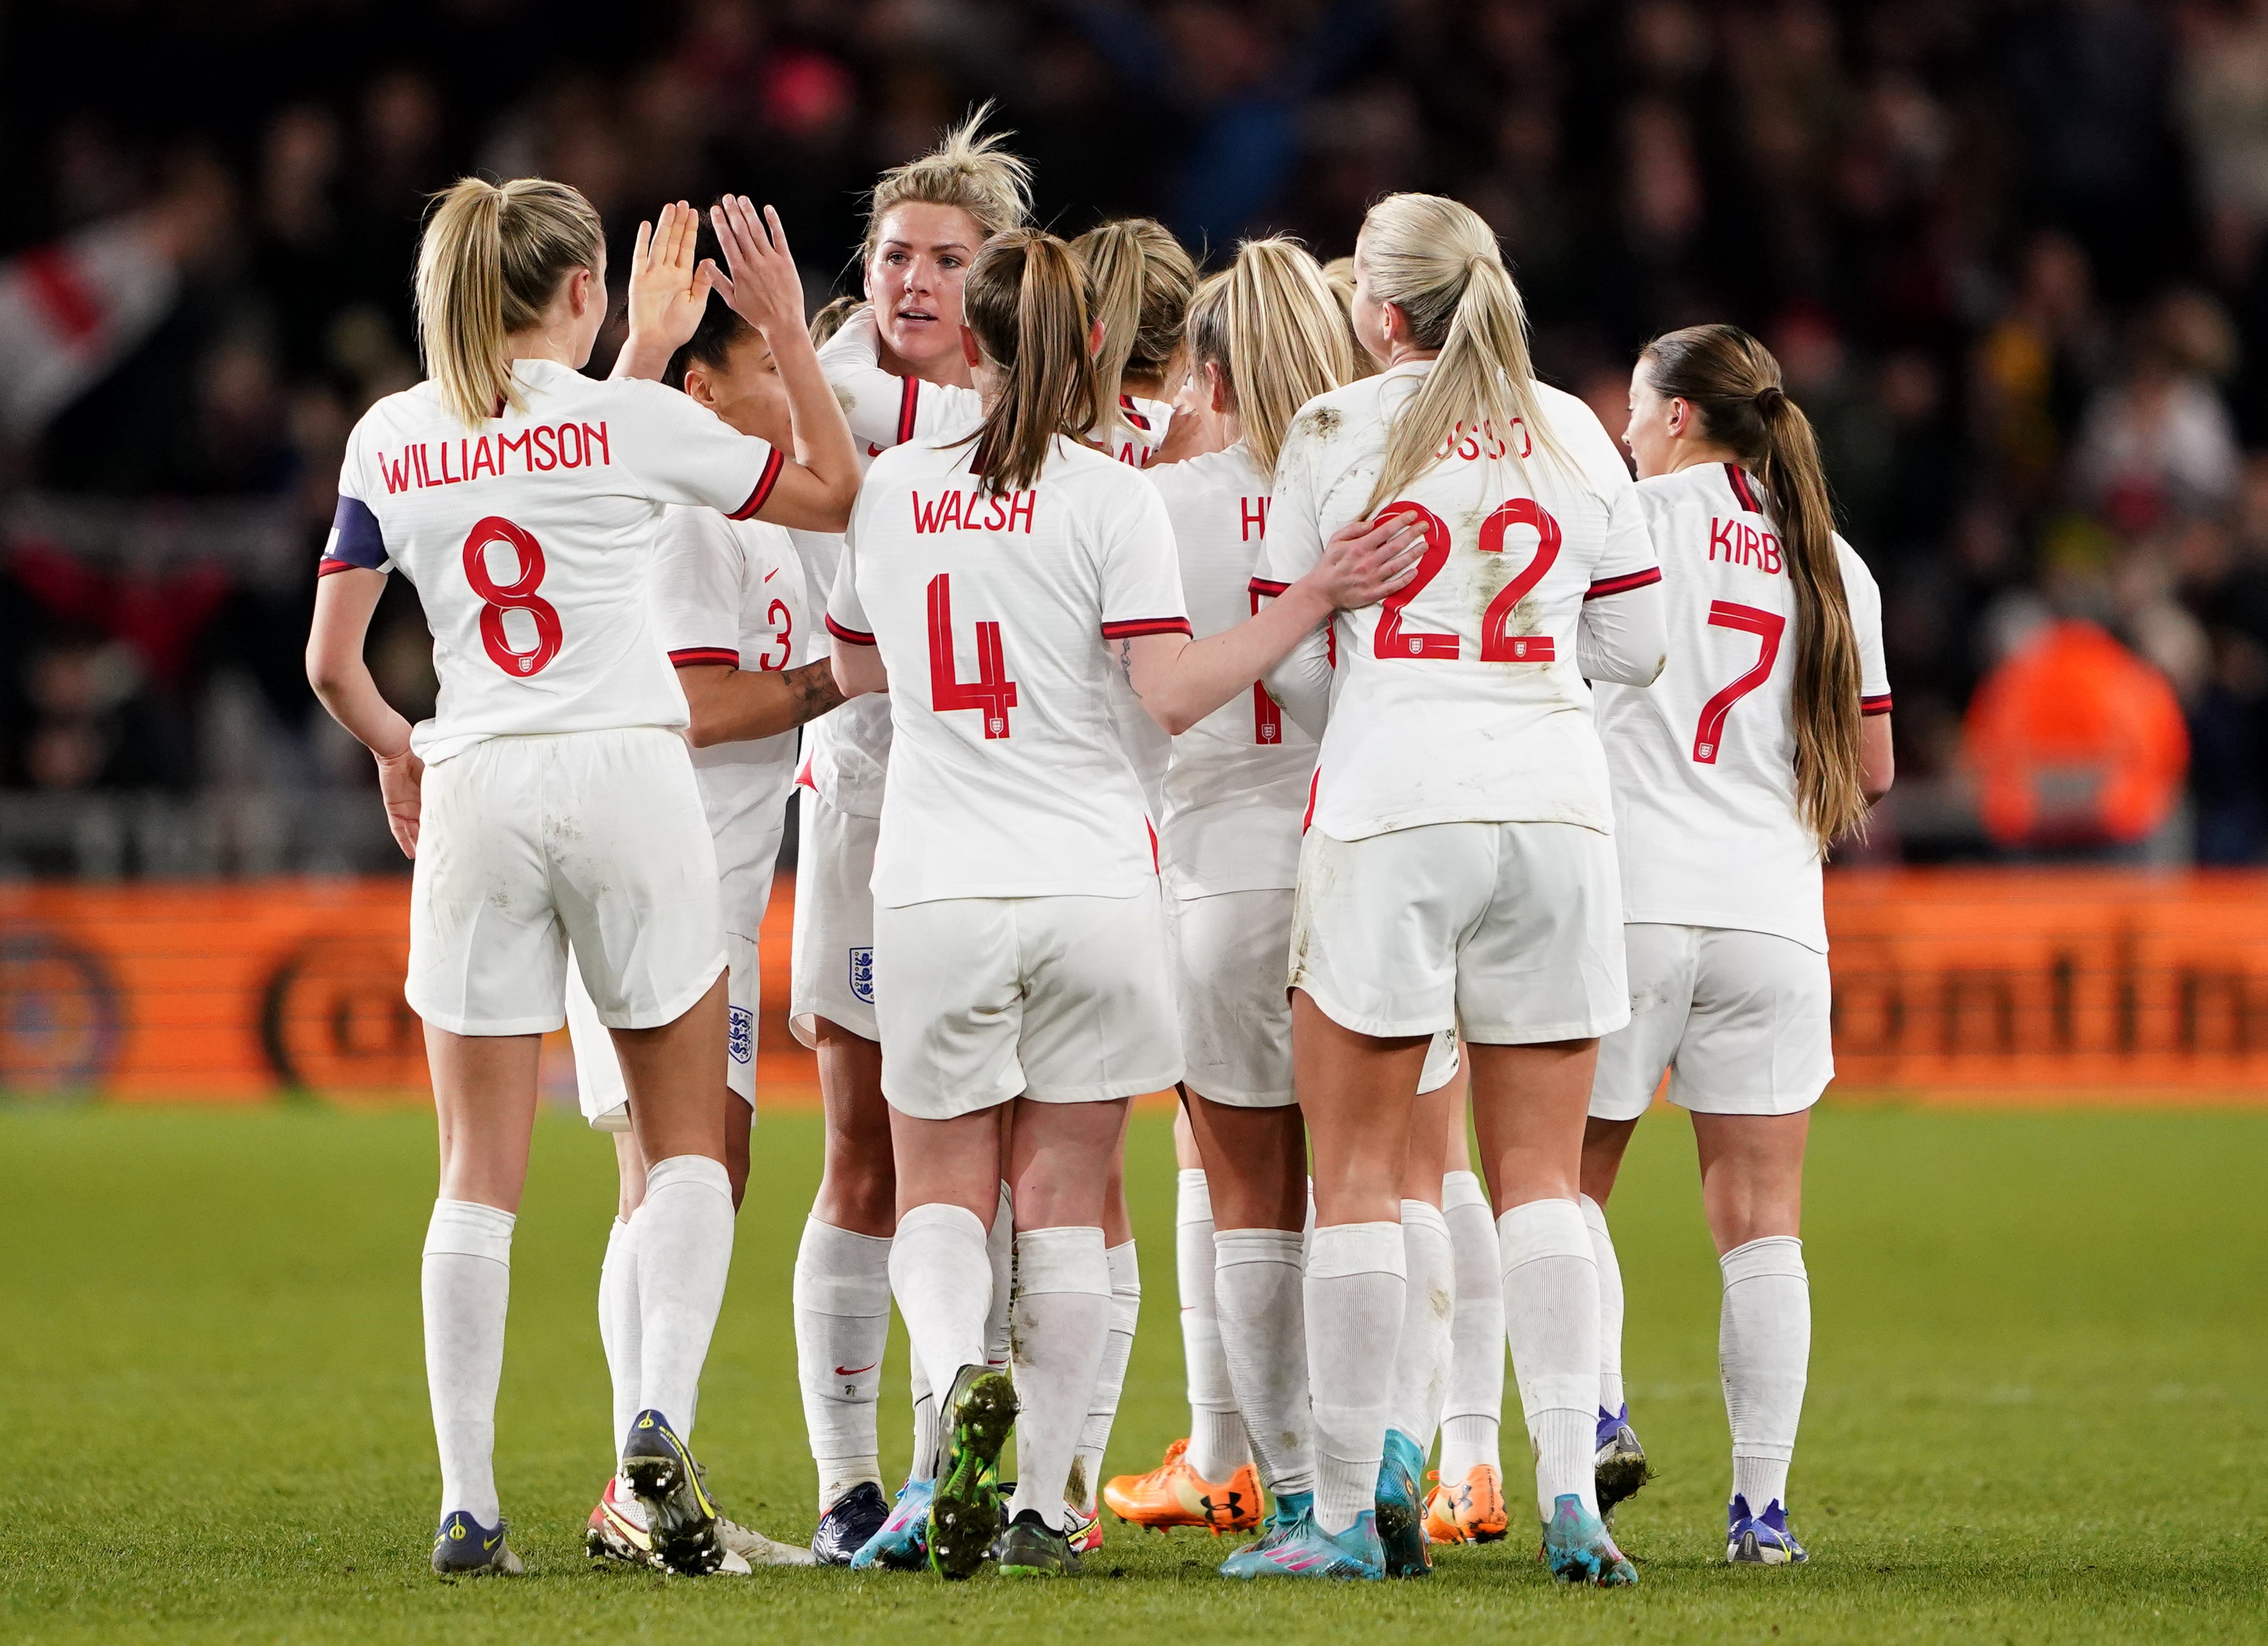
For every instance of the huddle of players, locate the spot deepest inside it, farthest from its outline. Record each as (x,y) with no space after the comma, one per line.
(1206,633)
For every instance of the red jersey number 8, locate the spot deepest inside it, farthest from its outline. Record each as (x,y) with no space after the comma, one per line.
(518,595)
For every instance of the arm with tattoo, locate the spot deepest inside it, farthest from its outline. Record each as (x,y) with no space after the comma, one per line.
(732,705)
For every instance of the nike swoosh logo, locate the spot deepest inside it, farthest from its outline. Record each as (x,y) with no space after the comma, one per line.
(490,1543)
(852,1371)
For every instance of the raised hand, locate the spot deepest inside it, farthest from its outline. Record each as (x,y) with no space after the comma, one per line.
(668,290)
(764,287)
(1367,559)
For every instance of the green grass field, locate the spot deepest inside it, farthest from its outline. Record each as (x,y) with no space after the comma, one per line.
(2038,1409)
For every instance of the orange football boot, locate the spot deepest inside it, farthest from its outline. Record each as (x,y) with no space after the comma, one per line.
(1171,1494)
(1470,1511)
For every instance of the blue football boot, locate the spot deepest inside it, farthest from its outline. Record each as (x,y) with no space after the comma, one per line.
(1578,1549)
(1618,1467)
(1760,1539)
(463,1547)
(1299,1547)
(679,1515)
(849,1523)
(902,1542)
(1402,1508)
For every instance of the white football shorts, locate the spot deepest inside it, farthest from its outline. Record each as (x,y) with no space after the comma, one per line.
(1231,951)
(833,975)
(1511,933)
(1740,1019)
(1057,999)
(599,1091)
(530,842)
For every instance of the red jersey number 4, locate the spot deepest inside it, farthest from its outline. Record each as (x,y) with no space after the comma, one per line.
(518,595)
(991,693)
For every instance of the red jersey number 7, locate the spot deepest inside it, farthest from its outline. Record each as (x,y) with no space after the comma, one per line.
(1767,626)
(991,693)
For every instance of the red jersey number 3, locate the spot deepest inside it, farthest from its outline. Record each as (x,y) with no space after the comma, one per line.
(518,595)
(991,693)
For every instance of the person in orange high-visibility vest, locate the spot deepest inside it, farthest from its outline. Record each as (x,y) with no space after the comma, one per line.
(2076,742)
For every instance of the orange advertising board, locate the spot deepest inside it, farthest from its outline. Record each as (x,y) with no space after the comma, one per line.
(2041,982)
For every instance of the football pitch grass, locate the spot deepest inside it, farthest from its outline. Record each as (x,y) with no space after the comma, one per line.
(2038,1406)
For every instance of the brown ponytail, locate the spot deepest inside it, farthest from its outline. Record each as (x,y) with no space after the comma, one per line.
(1141,280)
(1733,382)
(1026,301)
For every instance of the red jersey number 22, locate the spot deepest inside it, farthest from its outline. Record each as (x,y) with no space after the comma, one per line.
(991,693)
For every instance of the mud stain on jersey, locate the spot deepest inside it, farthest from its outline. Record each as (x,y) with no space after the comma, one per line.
(1322,423)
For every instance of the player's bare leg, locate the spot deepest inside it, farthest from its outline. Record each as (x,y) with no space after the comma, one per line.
(684,1255)
(484,1098)
(1529,1106)
(1752,1190)
(843,1297)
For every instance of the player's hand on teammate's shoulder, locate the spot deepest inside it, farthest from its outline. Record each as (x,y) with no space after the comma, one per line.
(762,285)
(1364,561)
(402,785)
(668,289)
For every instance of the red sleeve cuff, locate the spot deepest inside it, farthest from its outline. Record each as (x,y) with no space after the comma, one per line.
(1139,625)
(857,637)
(765,481)
(1874,705)
(908,399)
(1268,586)
(1622,585)
(694,657)
(325,567)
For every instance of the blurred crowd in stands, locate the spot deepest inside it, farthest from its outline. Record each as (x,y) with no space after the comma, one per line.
(2010,253)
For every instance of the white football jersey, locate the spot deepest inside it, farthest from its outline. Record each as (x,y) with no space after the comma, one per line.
(1238,781)
(528,539)
(995,616)
(731,591)
(849,746)
(1704,760)
(1458,698)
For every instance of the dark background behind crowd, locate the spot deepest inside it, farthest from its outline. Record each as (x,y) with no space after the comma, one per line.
(2009,252)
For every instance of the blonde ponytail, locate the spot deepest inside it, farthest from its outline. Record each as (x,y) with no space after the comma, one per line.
(1338,274)
(1267,323)
(967,171)
(1734,384)
(489,264)
(1026,301)
(1438,262)
(1140,279)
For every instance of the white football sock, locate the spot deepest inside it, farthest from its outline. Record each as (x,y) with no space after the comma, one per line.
(685,1255)
(1216,1444)
(842,1325)
(1354,1294)
(1610,1307)
(1552,1318)
(1421,1361)
(1475,1405)
(1763,1352)
(1258,1286)
(1110,1378)
(924,1467)
(466,1280)
(1000,1252)
(942,1278)
(1062,1322)
(618,1325)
